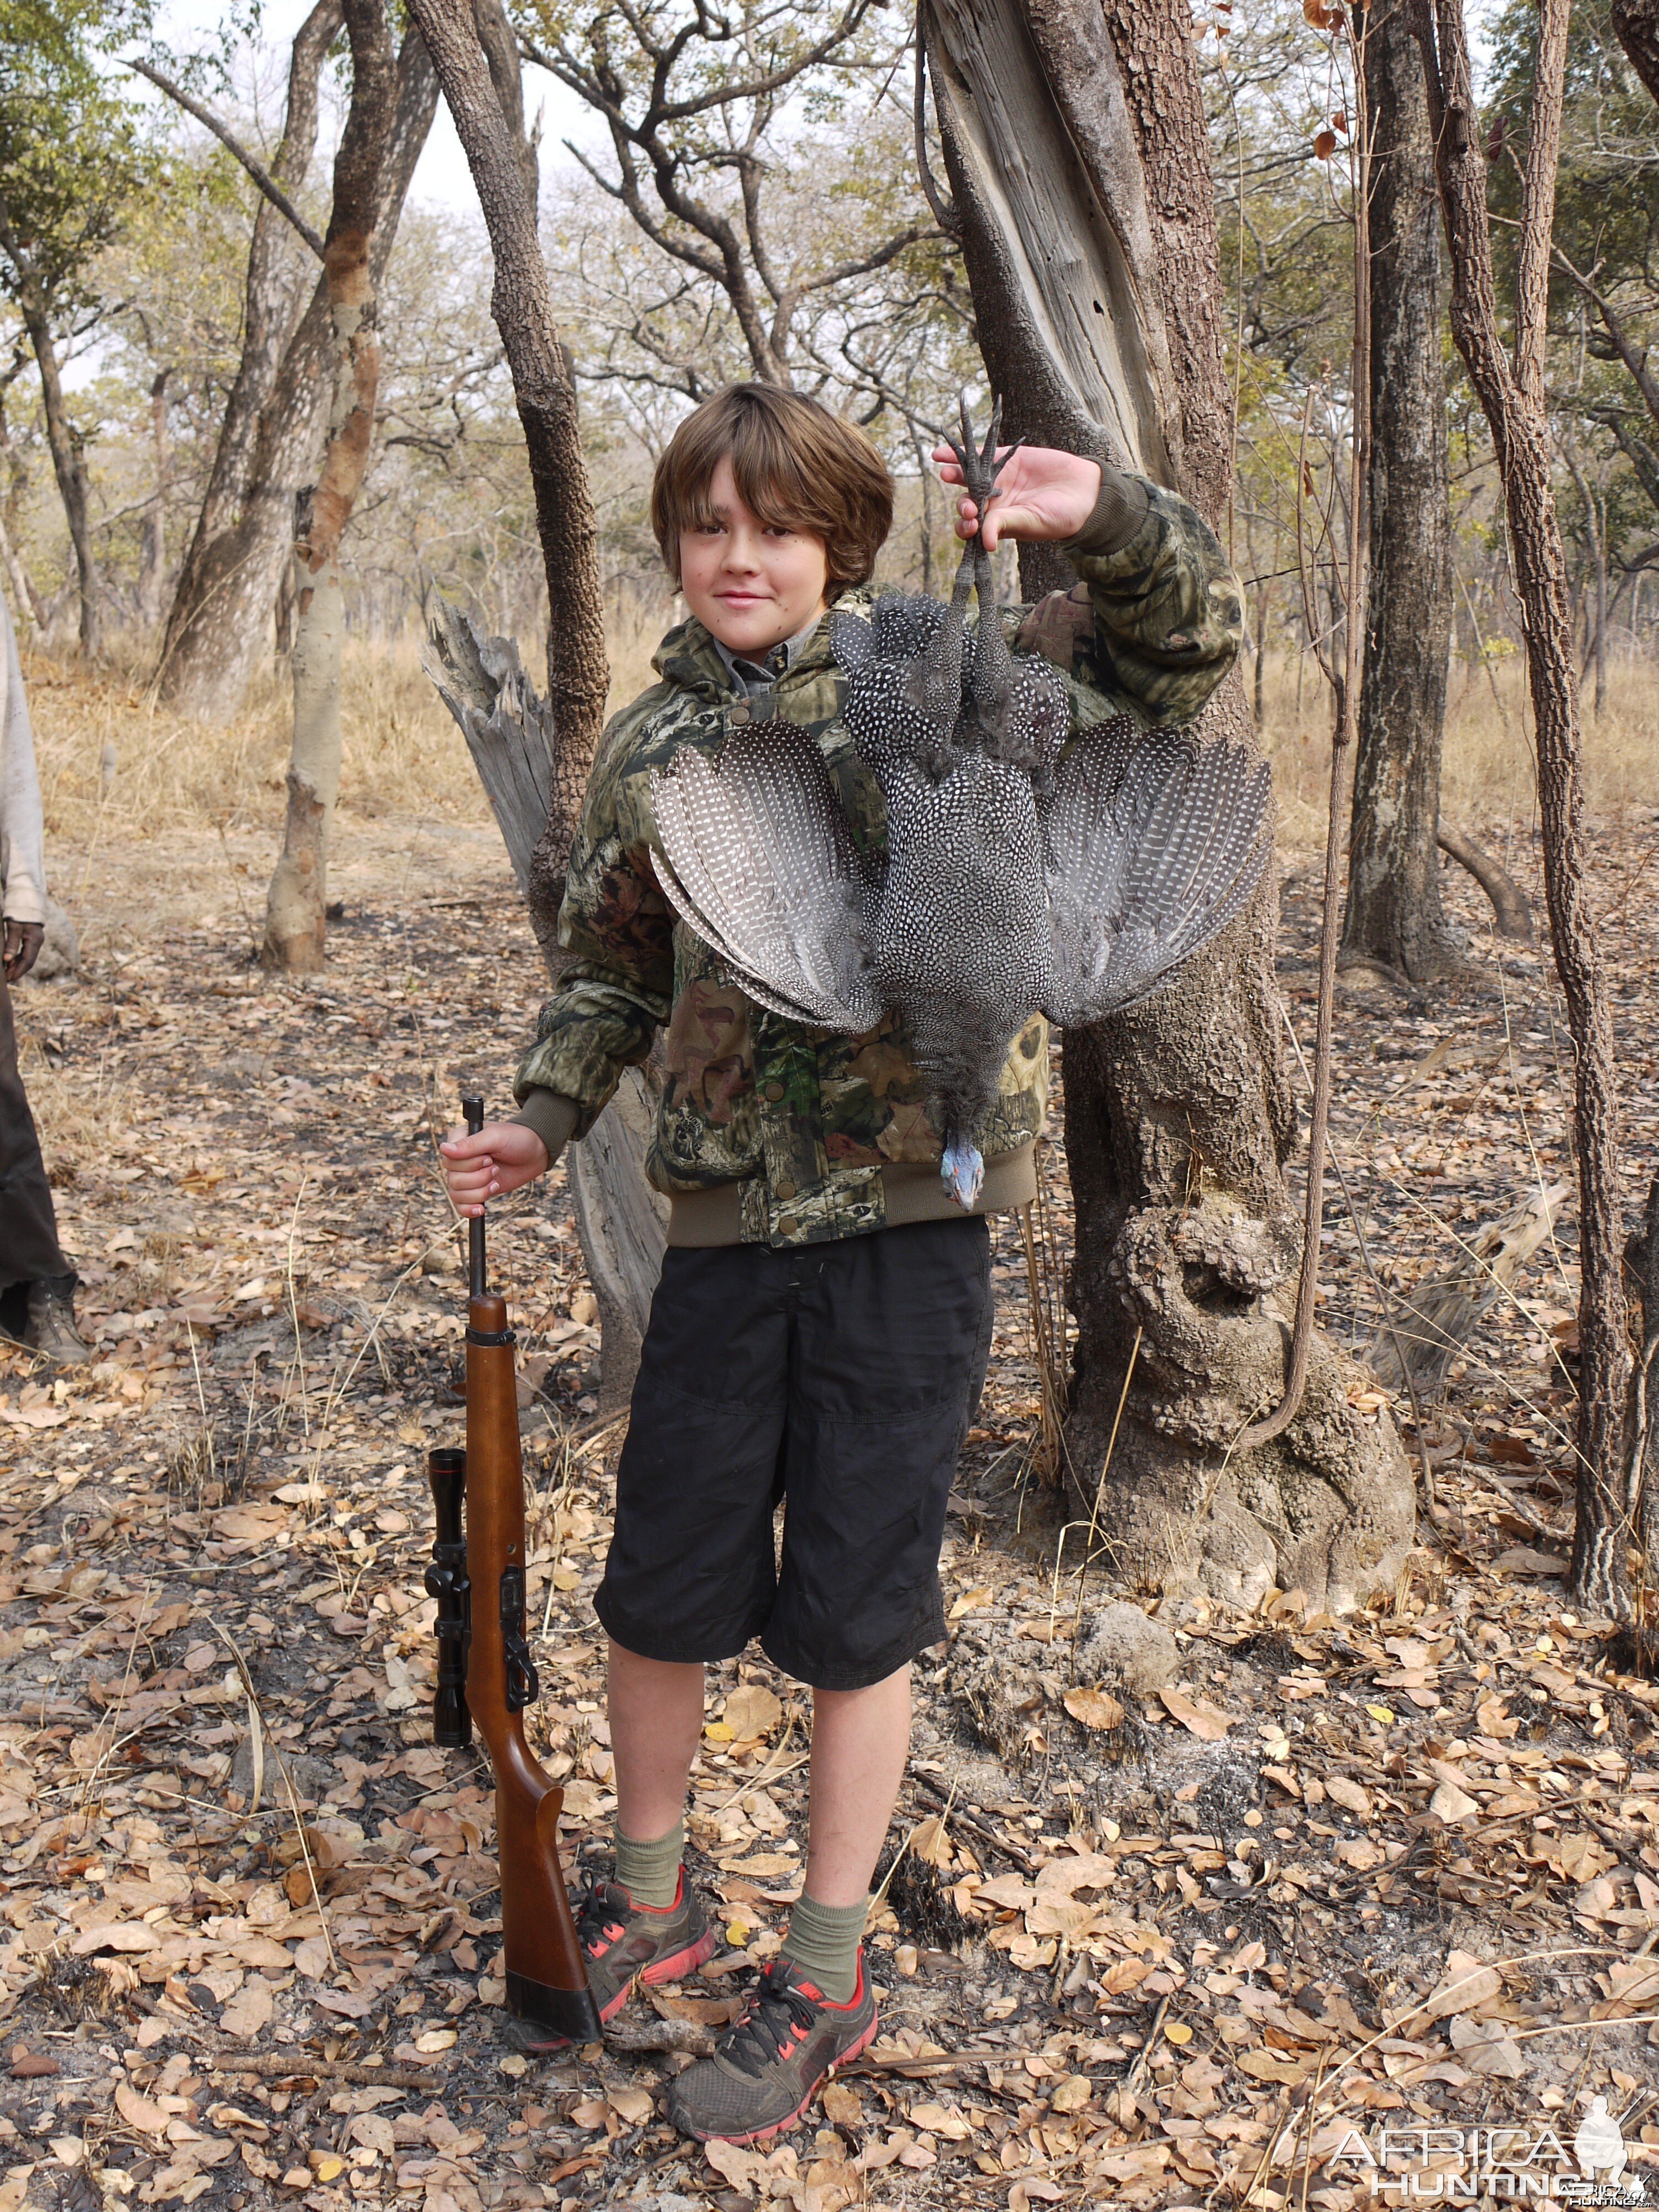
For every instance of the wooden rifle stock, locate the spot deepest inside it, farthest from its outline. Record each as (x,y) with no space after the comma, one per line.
(541,1955)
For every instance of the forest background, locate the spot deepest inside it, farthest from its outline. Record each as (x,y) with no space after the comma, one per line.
(144,255)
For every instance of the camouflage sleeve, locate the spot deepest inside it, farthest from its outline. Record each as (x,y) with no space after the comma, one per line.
(615,924)
(1168,615)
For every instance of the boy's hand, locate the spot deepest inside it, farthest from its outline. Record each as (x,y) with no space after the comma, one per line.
(1040,495)
(502,1157)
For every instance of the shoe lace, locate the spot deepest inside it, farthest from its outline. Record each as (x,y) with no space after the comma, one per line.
(597,1912)
(756,2039)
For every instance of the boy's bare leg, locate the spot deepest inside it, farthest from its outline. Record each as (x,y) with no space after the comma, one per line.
(860,1740)
(656,1721)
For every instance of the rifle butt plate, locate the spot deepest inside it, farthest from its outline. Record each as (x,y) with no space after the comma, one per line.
(570,2013)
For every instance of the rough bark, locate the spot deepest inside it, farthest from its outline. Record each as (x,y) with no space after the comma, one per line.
(68,463)
(1511,396)
(1394,911)
(297,902)
(220,624)
(1636,26)
(1179,1120)
(543,389)
(152,540)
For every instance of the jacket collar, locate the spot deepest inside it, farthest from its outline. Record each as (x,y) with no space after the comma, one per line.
(689,659)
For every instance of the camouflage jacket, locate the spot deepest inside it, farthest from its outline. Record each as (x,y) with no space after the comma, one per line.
(803,1134)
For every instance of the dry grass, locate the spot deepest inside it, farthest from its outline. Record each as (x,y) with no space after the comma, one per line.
(113,763)
(172,779)
(1487,777)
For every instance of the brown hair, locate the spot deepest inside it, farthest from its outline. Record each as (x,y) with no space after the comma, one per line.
(796,466)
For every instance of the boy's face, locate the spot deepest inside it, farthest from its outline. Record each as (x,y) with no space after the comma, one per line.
(750,583)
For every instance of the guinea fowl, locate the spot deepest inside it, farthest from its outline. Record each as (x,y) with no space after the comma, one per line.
(1025,870)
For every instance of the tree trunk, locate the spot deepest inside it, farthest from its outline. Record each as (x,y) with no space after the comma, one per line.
(1512,398)
(1179,1119)
(153,536)
(296,903)
(533,754)
(68,463)
(1394,912)
(1636,25)
(194,674)
(545,390)
(221,620)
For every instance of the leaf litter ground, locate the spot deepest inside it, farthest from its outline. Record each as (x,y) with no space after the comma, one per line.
(1155,1950)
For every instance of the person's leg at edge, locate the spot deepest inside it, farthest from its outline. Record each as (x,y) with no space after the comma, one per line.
(656,1711)
(860,1740)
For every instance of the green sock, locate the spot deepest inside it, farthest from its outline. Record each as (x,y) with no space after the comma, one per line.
(650,1872)
(823,1942)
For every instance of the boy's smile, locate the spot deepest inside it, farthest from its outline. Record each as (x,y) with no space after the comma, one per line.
(750,584)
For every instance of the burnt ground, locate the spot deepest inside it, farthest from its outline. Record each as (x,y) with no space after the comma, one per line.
(1395,1868)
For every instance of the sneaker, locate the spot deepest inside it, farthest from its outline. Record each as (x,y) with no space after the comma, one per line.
(50,1330)
(771,2062)
(625,1944)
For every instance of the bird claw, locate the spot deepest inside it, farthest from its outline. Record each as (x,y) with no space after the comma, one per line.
(980,465)
(962,1170)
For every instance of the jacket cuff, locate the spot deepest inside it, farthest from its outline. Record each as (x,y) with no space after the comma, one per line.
(1119,515)
(553,1119)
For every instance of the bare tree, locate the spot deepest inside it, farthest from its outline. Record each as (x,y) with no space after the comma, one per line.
(204,667)
(1076,155)
(277,418)
(1512,394)
(692,100)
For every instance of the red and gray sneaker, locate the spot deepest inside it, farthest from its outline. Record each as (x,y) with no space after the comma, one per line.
(625,1944)
(771,2062)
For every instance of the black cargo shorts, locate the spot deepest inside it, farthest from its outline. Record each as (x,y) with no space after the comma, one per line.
(838,1378)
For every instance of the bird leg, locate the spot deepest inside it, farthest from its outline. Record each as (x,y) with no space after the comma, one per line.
(994,729)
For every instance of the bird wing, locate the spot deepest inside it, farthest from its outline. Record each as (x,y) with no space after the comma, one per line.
(760,863)
(1153,846)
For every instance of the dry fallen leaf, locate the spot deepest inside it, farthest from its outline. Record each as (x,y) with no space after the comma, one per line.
(1451,1804)
(751,1711)
(932,1842)
(1095,1708)
(1346,1793)
(1206,1720)
(1464,1984)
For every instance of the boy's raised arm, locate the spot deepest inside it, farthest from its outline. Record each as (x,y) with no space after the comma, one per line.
(1169,610)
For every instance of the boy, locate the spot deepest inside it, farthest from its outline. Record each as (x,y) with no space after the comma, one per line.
(824,1319)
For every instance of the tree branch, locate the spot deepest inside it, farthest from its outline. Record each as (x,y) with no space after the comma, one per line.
(256,168)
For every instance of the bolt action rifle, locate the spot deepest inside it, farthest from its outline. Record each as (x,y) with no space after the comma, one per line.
(485,1672)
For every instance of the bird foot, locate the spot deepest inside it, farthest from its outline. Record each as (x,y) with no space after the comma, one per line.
(962,1170)
(980,465)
